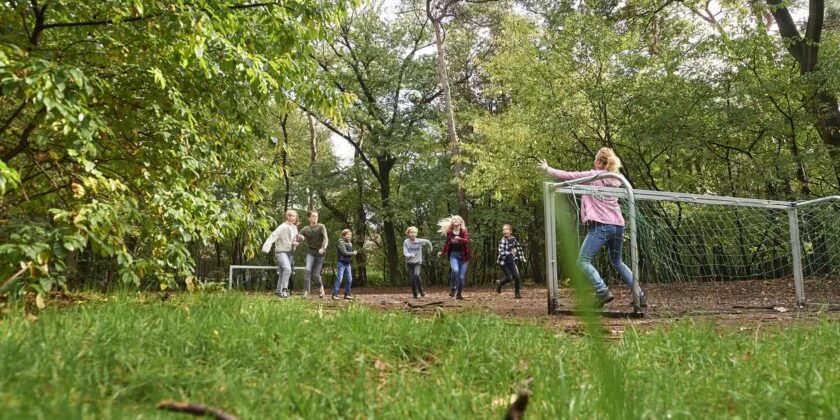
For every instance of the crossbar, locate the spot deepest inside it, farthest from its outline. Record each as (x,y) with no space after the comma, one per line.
(652,195)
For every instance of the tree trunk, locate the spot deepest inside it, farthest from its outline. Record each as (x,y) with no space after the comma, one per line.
(443,79)
(536,244)
(313,156)
(386,163)
(284,160)
(360,271)
(823,106)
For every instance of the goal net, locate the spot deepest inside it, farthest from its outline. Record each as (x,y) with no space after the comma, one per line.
(706,253)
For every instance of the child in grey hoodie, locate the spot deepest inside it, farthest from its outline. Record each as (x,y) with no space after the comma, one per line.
(413,252)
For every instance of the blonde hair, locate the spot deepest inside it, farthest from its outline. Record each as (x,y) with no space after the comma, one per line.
(345,231)
(289,214)
(507,226)
(608,159)
(410,229)
(445,224)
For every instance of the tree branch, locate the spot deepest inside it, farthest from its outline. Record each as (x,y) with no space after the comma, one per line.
(12,117)
(149,16)
(345,136)
(787,29)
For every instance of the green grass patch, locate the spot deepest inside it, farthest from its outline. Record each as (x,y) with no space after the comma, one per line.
(258,357)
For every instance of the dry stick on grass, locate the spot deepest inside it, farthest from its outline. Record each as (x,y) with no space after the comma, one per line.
(423,305)
(195,409)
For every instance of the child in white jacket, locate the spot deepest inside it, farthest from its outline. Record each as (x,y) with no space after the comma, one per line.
(284,239)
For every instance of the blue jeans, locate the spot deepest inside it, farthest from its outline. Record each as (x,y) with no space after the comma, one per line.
(459,272)
(340,271)
(285,268)
(314,264)
(597,236)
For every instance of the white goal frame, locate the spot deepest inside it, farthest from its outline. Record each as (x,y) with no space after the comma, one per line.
(551,190)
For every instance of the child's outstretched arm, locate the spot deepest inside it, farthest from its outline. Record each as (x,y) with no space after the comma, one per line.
(266,248)
(564,175)
(326,236)
(520,251)
(428,243)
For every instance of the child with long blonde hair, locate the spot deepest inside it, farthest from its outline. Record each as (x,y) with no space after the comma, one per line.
(457,250)
(605,224)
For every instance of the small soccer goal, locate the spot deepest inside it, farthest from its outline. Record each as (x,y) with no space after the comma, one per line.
(705,253)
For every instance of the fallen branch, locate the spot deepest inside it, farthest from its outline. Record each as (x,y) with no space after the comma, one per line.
(754,307)
(423,305)
(195,409)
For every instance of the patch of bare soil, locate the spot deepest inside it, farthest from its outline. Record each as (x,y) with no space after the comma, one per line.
(736,304)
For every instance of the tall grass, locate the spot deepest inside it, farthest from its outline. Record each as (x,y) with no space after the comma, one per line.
(262,358)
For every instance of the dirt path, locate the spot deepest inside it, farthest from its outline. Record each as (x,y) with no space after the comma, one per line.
(734,306)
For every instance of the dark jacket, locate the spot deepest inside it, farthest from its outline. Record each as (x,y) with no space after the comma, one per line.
(464,236)
(345,251)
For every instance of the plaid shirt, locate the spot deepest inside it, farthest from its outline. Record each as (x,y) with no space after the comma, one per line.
(505,247)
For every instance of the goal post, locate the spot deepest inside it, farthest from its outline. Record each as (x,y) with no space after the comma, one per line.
(727,252)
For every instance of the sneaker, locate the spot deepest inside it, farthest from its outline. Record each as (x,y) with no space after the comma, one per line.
(321,292)
(498,286)
(422,294)
(348,297)
(642,301)
(459,297)
(452,293)
(415,297)
(305,295)
(517,296)
(601,300)
(335,297)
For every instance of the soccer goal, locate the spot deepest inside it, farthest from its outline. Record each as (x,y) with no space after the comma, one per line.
(707,253)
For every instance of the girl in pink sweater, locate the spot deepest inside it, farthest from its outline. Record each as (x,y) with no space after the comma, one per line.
(605,224)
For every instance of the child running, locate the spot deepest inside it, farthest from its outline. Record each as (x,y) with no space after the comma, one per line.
(413,252)
(345,258)
(284,239)
(457,250)
(316,239)
(605,224)
(510,251)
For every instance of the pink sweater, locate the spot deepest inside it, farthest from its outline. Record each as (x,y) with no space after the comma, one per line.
(596,209)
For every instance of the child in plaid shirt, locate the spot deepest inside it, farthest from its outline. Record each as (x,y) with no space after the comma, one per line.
(510,251)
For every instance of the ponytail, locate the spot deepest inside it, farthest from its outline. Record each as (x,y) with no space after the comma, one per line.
(608,159)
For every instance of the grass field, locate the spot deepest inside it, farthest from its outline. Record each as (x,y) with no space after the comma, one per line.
(258,357)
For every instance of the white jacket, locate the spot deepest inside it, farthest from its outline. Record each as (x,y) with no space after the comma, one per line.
(283,239)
